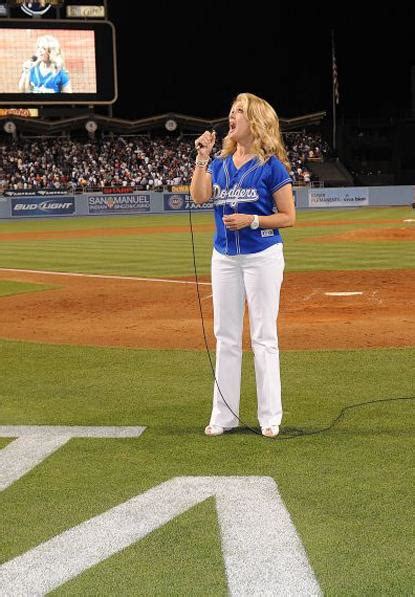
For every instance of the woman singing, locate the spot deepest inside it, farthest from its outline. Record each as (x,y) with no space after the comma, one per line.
(253,199)
(45,72)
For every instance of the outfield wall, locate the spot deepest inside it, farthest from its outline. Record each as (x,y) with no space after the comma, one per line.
(27,204)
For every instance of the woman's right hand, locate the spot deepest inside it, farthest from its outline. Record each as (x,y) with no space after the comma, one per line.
(27,65)
(204,144)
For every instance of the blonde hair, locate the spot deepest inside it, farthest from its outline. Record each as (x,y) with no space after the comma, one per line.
(53,48)
(265,128)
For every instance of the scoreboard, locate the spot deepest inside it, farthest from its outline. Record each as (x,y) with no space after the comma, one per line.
(82,53)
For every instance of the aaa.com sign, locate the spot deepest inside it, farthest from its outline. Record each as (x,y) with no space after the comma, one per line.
(349,197)
(42,206)
(183,201)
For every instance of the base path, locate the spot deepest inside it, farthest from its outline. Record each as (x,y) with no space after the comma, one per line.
(96,311)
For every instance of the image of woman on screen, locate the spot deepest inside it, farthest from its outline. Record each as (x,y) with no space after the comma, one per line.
(45,72)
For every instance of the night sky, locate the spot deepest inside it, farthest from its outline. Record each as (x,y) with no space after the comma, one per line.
(215,49)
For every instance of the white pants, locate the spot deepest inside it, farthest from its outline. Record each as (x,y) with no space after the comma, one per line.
(256,277)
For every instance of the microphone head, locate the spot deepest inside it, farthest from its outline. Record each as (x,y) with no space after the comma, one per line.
(33,58)
(221,129)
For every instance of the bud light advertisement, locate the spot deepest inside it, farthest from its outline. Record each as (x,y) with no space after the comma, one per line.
(42,206)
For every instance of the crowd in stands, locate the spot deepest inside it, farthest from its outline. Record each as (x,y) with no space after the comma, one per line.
(302,148)
(141,162)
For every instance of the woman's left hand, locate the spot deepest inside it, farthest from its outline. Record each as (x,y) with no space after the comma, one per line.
(43,89)
(237,221)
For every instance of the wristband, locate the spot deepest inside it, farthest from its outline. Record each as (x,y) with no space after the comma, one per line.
(255,222)
(202,163)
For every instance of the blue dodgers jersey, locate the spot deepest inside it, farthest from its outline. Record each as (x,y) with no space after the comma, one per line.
(51,81)
(246,190)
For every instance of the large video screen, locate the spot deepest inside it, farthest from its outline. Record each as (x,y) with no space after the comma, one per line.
(49,62)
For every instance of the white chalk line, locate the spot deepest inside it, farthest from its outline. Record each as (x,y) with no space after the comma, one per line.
(100,276)
(343,293)
(317,291)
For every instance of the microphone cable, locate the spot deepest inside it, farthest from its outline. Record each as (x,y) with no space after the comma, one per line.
(202,320)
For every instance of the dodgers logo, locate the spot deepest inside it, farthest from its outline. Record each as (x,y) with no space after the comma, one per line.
(234,195)
(35,8)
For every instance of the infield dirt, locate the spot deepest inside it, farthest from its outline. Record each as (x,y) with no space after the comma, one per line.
(97,311)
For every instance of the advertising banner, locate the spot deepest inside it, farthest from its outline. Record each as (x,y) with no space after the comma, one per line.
(182,201)
(45,193)
(21,112)
(180,188)
(85,12)
(118,190)
(338,197)
(118,204)
(42,206)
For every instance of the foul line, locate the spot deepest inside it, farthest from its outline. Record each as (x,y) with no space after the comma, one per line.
(165,280)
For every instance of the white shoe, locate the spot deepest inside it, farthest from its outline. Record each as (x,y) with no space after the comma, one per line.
(271,431)
(215,430)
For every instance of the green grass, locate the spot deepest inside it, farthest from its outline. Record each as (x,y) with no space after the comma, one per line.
(90,222)
(8,287)
(348,490)
(169,254)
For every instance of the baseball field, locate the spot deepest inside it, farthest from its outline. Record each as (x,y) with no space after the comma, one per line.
(108,485)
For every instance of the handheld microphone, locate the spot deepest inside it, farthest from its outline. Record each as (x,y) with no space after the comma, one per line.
(219,129)
(199,145)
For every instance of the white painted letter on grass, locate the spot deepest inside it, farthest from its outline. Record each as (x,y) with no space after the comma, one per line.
(35,443)
(262,551)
